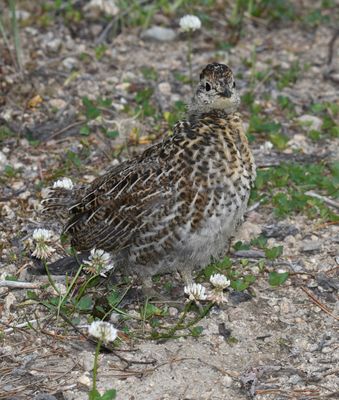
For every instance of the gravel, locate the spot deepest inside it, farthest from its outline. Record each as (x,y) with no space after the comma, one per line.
(278,342)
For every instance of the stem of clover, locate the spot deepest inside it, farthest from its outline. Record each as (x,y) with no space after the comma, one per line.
(189,58)
(95,367)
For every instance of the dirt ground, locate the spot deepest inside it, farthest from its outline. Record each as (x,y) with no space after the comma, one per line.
(285,339)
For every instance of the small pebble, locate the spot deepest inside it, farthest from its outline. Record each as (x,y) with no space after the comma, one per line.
(54,45)
(294,379)
(70,63)
(311,245)
(165,88)
(85,380)
(310,122)
(159,33)
(86,360)
(172,311)
(22,15)
(57,103)
(227,381)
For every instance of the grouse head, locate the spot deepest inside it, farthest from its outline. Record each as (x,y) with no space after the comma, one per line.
(215,91)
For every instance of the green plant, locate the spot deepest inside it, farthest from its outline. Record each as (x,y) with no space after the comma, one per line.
(329,113)
(5,133)
(287,186)
(260,124)
(17,60)
(277,278)
(105,333)
(149,73)
(100,51)
(10,172)
(315,18)
(271,10)
(95,109)
(289,76)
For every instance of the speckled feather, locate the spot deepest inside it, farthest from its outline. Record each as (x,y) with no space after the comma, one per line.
(176,205)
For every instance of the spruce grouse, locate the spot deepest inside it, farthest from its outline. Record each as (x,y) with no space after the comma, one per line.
(175,206)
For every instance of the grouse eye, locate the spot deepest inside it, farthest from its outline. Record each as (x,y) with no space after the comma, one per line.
(233,85)
(207,87)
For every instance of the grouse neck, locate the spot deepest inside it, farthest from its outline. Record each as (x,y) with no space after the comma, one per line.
(197,109)
(213,113)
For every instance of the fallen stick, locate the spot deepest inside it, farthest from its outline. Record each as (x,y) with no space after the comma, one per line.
(318,303)
(11,328)
(20,285)
(326,200)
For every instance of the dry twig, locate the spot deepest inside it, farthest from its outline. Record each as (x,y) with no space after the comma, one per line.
(318,303)
(326,200)
(20,285)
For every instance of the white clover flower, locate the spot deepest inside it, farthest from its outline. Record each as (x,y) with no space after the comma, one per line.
(41,234)
(195,292)
(99,262)
(190,23)
(41,238)
(64,183)
(266,147)
(220,281)
(103,331)
(98,255)
(43,251)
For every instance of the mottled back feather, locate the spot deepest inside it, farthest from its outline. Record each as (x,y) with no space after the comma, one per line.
(178,203)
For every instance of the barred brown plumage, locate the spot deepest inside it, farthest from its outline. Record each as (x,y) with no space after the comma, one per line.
(176,205)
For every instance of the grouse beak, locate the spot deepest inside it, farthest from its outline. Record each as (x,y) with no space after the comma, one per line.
(226,93)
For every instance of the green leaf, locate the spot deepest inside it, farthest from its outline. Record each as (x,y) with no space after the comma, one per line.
(274,252)
(244,262)
(249,279)
(84,130)
(151,310)
(57,3)
(112,134)
(91,111)
(260,125)
(196,331)
(210,270)
(94,395)
(100,51)
(32,295)
(85,303)
(334,131)
(314,135)
(335,170)
(318,107)
(109,394)
(104,102)
(239,285)
(5,133)
(259,242)
(74,158)
(279,140)
(277,278)
(240,246)
(225,263)
(11,278)
(219,266)
(113,298)
(143,95)
(54,301)
(149,73)
(9,171)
